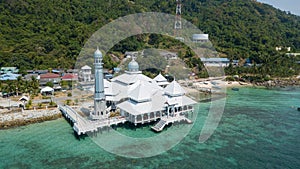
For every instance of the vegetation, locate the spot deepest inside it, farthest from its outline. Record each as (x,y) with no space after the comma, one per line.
(68,102)
(20,86)
(36,34)
(49,84)
(69,94)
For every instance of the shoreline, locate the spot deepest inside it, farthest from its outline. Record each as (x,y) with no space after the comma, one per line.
(203,93)
(26,117)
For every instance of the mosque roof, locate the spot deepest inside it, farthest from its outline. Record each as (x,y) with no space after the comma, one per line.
(157,103)
(142,91)
(133,65)
(180,101)
(160,78)
(174,89)
(128,78)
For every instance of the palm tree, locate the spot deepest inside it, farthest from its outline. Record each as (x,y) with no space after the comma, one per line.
(19,85)
(34,85)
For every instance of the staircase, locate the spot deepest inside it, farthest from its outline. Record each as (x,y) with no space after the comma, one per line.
(159,126)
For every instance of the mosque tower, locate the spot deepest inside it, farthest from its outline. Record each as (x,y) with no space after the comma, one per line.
(99,97)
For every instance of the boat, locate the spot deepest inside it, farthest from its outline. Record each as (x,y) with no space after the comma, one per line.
(235,89)
(298,109)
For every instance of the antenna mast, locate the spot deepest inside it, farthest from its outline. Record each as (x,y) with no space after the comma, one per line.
(178,25)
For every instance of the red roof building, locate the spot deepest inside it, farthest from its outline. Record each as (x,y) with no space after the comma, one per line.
(49,76)
(70,77)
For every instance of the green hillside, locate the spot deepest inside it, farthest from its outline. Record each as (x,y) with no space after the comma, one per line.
(36,34)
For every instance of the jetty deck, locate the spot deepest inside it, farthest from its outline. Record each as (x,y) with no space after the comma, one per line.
(83,126)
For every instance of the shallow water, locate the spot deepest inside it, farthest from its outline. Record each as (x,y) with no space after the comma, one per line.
(259,129)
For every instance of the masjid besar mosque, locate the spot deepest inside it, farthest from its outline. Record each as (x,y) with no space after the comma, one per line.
(138,98)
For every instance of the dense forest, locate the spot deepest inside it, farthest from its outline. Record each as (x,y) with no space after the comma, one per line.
(36,34)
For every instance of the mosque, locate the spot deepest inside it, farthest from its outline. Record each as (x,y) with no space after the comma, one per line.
(139,98)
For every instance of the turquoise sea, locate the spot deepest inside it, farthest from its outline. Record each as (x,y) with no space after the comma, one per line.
(260,128)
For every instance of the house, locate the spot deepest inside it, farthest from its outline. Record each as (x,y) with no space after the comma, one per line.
(200,38)
(9,76)
(73,71)
(235,62)
(5,70)
(29,76)
(131,54)
(69,77)
(49,77)
(37,71)
(215,62)
(293,54)
(85,74)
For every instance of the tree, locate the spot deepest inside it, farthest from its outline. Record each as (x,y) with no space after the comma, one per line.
(50,84)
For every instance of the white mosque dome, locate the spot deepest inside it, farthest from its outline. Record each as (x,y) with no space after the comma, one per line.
(98,53)
(133,66)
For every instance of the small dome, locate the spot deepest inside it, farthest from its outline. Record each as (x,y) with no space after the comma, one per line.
(133,66)
(98,53)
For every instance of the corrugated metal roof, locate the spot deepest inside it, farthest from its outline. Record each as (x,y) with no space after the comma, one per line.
(214,59)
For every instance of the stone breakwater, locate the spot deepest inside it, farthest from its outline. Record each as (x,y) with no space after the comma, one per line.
(13,119)
(279,83)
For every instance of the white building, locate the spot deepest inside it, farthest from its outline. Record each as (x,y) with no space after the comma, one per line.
(85,74)
(215,62)
(200,38)
(142,99)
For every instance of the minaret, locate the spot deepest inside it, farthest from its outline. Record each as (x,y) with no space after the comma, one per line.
(99,97)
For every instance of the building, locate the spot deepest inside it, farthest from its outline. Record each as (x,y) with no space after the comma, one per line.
(5,70)
(9,76)
(69,77)
(161,80)
(30,76)
(215,62)
(39,72)
(85,74)
(49,77)
(141,99)
(293,54)
(200,38)
(129,54)
(235,62)
(73,71)
(138,98)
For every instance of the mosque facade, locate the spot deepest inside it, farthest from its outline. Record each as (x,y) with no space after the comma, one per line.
(139,98)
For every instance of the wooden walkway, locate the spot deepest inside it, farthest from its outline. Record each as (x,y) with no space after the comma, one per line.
(83,126)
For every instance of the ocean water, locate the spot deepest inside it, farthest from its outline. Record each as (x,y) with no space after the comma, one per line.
(260,128)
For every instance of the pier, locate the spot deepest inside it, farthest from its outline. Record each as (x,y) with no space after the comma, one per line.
(83,126)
